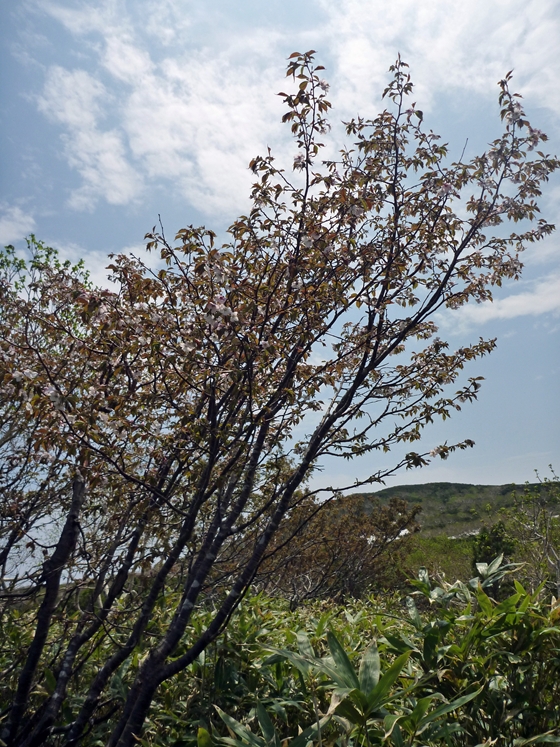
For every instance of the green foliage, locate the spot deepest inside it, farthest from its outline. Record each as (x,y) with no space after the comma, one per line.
(447,665)
(456,508)
(444,557)
(534,523)
(470,671)
(491,542)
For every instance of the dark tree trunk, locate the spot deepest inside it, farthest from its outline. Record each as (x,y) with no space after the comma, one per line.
(52,572)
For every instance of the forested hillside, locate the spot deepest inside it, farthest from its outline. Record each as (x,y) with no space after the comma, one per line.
(453,508)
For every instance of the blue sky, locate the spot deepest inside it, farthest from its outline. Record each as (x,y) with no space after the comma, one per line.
(114,112)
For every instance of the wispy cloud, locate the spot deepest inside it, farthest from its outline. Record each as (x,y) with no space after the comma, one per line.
(14,223)
(191,100)
(466,46)
(78,101)
(542,297)
(192,118)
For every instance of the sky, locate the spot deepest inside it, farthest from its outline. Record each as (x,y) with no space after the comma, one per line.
(116,112)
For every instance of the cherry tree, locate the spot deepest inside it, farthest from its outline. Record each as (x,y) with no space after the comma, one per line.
(156,436)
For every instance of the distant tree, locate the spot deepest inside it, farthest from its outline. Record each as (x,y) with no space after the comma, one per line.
(154,433)
(534,522)
(340,550)
(491,542)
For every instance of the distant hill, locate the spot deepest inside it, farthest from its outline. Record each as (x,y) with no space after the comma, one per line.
(453,508)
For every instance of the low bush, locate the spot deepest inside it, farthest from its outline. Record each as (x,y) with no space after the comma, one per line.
(471,671)
(446,665)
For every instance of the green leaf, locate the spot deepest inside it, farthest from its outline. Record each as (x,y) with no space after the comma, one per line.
(370,669)
(419,711)
(267,727)
(400,643)
(381,690)
(50,681)
(203,738)
(397,739)
(547,738)
(431,639)
(389,723)
(301,663)
(413,612)
(495,564)
(485,603)
(304,645)
(322,624)
(342,662)
(307,734)
(242,731)
(447,708)
(345,709)
(444,731)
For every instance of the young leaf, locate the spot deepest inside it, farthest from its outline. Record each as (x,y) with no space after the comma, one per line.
(267,727)
(342,662)
(203,737)
(370,668)
(379,693)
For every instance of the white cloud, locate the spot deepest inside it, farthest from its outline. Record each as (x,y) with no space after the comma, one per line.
(199,125)
(78,101)
(542,298)
(164,20)
(466,46)
(194,119)
(125,61)
(191,92)
(14,223)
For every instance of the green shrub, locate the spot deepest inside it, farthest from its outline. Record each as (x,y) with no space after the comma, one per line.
(447,665)
(470,671)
